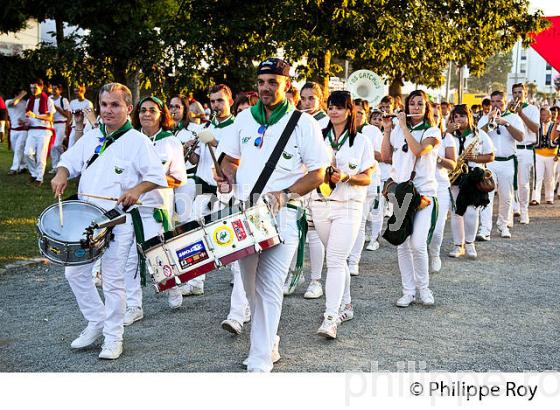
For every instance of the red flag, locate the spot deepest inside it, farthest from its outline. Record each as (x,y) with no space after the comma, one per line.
(547,43)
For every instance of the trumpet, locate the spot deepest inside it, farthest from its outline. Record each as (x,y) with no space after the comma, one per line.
(514,105)
(492,124)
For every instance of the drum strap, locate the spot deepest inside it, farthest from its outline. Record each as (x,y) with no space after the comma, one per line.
(274,157)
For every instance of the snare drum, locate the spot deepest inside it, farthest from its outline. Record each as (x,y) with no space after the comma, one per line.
(196,248)
(69,245)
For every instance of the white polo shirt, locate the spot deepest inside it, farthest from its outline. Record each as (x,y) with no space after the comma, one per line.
(351,160)
(504,143)
(322,118)
(16,113)
(403,162)
(76,105)
(205,162)
(375,137)
(187,134)
(304,152)
(62,103)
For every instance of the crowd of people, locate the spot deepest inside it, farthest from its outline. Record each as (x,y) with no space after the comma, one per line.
(344,168)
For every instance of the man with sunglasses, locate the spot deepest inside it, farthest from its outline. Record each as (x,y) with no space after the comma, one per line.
(116,161)
(299,170)
(508,131)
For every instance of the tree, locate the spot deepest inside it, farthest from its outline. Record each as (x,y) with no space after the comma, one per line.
(496,71)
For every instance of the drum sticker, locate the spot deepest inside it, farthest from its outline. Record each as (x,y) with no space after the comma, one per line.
(239,230)
(78,253)
(192,254)
(258,223)
(167,271)
(223,235)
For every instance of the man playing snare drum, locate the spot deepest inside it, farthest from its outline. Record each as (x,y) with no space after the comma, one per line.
(300,169)
(117,161)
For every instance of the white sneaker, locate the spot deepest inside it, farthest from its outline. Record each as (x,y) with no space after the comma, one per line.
(426,297)
(354,270)
(232,326)
(88,337)
(483,237)
(111,350)
(457,251)
(192,290)
(471,251)
(505,233)
(133,314)
(292,283)
(435,264)
(314,290)
(328,327)
(405,300)
(275,352)
(524,218)
(345,313)
(174,298)
(373,246)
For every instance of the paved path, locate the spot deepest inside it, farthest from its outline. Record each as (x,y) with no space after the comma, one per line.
(498,313)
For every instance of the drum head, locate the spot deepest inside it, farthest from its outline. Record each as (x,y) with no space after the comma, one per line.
(77,217)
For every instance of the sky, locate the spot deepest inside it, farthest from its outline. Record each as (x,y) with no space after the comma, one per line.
(549,7)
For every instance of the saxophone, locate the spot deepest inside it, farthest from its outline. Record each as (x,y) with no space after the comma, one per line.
(462,166)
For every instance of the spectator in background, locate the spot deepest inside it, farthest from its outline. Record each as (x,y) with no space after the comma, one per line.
(196,109)
(293,96)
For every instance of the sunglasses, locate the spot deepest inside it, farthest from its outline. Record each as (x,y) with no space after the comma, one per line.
(100,146)
(260,139)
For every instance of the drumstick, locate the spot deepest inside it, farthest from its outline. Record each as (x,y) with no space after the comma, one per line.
(60,214)
(107,198)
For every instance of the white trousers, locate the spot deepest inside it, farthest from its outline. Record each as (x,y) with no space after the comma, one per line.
(316,250)
(546,171)
(184,198)
(72,137)
(444,204)
(525,159)
(36,151)
(463,227)
(108,315)
(504,174)
(131,272)
(17,141)
(57,148)
(238,302)
(263,277)
(413,254)
(376,215)
(337,224)
(356,252)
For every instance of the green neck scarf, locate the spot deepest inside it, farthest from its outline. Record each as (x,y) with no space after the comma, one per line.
(466,132)
(505,113)
(161,134)
(259,113)
(179,126)
(341,140)
(319,115)
(228,121)
(114,135)
(419,127)
(361,127)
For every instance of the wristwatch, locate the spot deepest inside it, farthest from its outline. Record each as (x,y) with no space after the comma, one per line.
(507,124)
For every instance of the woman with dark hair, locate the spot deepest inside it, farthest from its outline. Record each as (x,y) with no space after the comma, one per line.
(179,109)
(446,157)
(153,119)
(337,215)
(411,146)
(464,227)
(312,102)
(242,102)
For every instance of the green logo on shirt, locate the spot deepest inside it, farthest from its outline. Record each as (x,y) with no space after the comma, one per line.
(287,155)
(244,140)
(119,170)
(353,166)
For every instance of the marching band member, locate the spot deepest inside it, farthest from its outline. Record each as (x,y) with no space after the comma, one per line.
(546,151)
(506,128)
(153,120)
(530,116)
(446,157)
(61,116)
(375,137)
(312,102)
(220,102)
(39,112)
(80,105)
(113,160)
(18,131)
(464,227)
(300,169)
(412,147)
(337,218)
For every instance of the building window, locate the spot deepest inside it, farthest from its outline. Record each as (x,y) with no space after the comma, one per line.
(523,68)
(523,58)
(548,80)
(548,67)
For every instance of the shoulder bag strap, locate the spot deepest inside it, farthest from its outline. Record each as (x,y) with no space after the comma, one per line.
(274,157)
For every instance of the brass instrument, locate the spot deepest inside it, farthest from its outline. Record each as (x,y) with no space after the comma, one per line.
(190,150)
(462,166)
(514,105)
(492,124)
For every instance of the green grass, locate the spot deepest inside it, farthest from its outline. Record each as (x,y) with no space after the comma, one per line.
(20,205)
